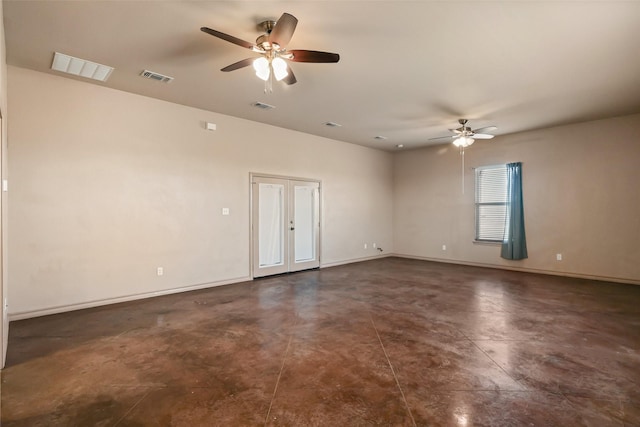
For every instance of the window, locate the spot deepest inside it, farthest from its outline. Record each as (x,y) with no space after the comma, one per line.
(491,203)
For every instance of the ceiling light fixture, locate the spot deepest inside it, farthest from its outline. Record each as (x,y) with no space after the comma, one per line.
(463,141)
(269,66)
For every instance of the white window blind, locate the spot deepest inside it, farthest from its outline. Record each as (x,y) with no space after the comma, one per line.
(491,202)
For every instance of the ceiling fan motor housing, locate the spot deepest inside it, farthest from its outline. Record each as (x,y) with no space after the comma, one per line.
(266,26)
(265,44)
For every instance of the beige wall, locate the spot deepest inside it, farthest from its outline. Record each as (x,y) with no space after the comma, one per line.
(581,197)
(4,323)
(107,186)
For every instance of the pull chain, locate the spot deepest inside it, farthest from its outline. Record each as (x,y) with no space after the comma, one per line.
(462,155)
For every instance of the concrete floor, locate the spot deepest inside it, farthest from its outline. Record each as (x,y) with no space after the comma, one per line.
(385,342)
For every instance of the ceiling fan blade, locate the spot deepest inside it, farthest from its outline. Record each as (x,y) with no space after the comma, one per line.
(442,138)
(313,56)
(482,136)
(485,129)
(239,64)
(291,78)
(283,30)
(228,38)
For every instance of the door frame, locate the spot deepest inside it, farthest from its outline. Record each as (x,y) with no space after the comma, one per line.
(4,318)
(252,176)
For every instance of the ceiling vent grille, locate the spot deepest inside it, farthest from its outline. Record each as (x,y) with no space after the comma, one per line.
(263,106)
(156,76)
(332,124)
(80,67)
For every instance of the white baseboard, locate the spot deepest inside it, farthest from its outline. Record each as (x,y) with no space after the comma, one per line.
(97,303)
(71,307)
(352,260)
(525,270)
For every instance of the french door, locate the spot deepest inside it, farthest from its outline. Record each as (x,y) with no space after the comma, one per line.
(285,225)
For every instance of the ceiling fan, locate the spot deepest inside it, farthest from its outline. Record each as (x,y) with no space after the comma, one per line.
(464,136)
(272,47)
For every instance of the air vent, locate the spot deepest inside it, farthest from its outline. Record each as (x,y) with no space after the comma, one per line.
(333,124)
(262,106)
(156,76)
(80,67)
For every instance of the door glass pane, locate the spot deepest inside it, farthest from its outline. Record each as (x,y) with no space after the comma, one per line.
(304,220)
(271,211)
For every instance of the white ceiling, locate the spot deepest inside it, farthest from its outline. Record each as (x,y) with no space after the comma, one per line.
(408,69)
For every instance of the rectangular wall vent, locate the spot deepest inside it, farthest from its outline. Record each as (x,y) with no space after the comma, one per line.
(80,67)
(156,76)
(262,106)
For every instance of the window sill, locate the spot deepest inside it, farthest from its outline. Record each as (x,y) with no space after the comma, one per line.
(486,242)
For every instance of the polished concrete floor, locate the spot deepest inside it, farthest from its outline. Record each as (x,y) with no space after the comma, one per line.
(385,342)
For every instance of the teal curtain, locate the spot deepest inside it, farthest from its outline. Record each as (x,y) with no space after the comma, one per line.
(514,242)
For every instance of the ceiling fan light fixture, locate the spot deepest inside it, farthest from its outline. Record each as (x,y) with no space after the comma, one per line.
(261,65)
(271,46)
(463,141)
(279,68)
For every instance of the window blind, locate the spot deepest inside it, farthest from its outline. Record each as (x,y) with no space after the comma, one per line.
(491,202)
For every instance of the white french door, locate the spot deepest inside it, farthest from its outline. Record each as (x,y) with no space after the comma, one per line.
(285,225)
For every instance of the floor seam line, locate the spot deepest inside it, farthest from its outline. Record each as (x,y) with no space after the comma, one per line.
(393,372)
(284,360)
(498,365)
(131,409)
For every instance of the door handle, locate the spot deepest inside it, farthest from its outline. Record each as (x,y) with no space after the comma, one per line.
(291,228)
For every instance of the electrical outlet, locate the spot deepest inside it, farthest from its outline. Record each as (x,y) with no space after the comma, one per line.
(558,257)
(375,246)
(365,246)
(444,247)
(160,271)
(225,211)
